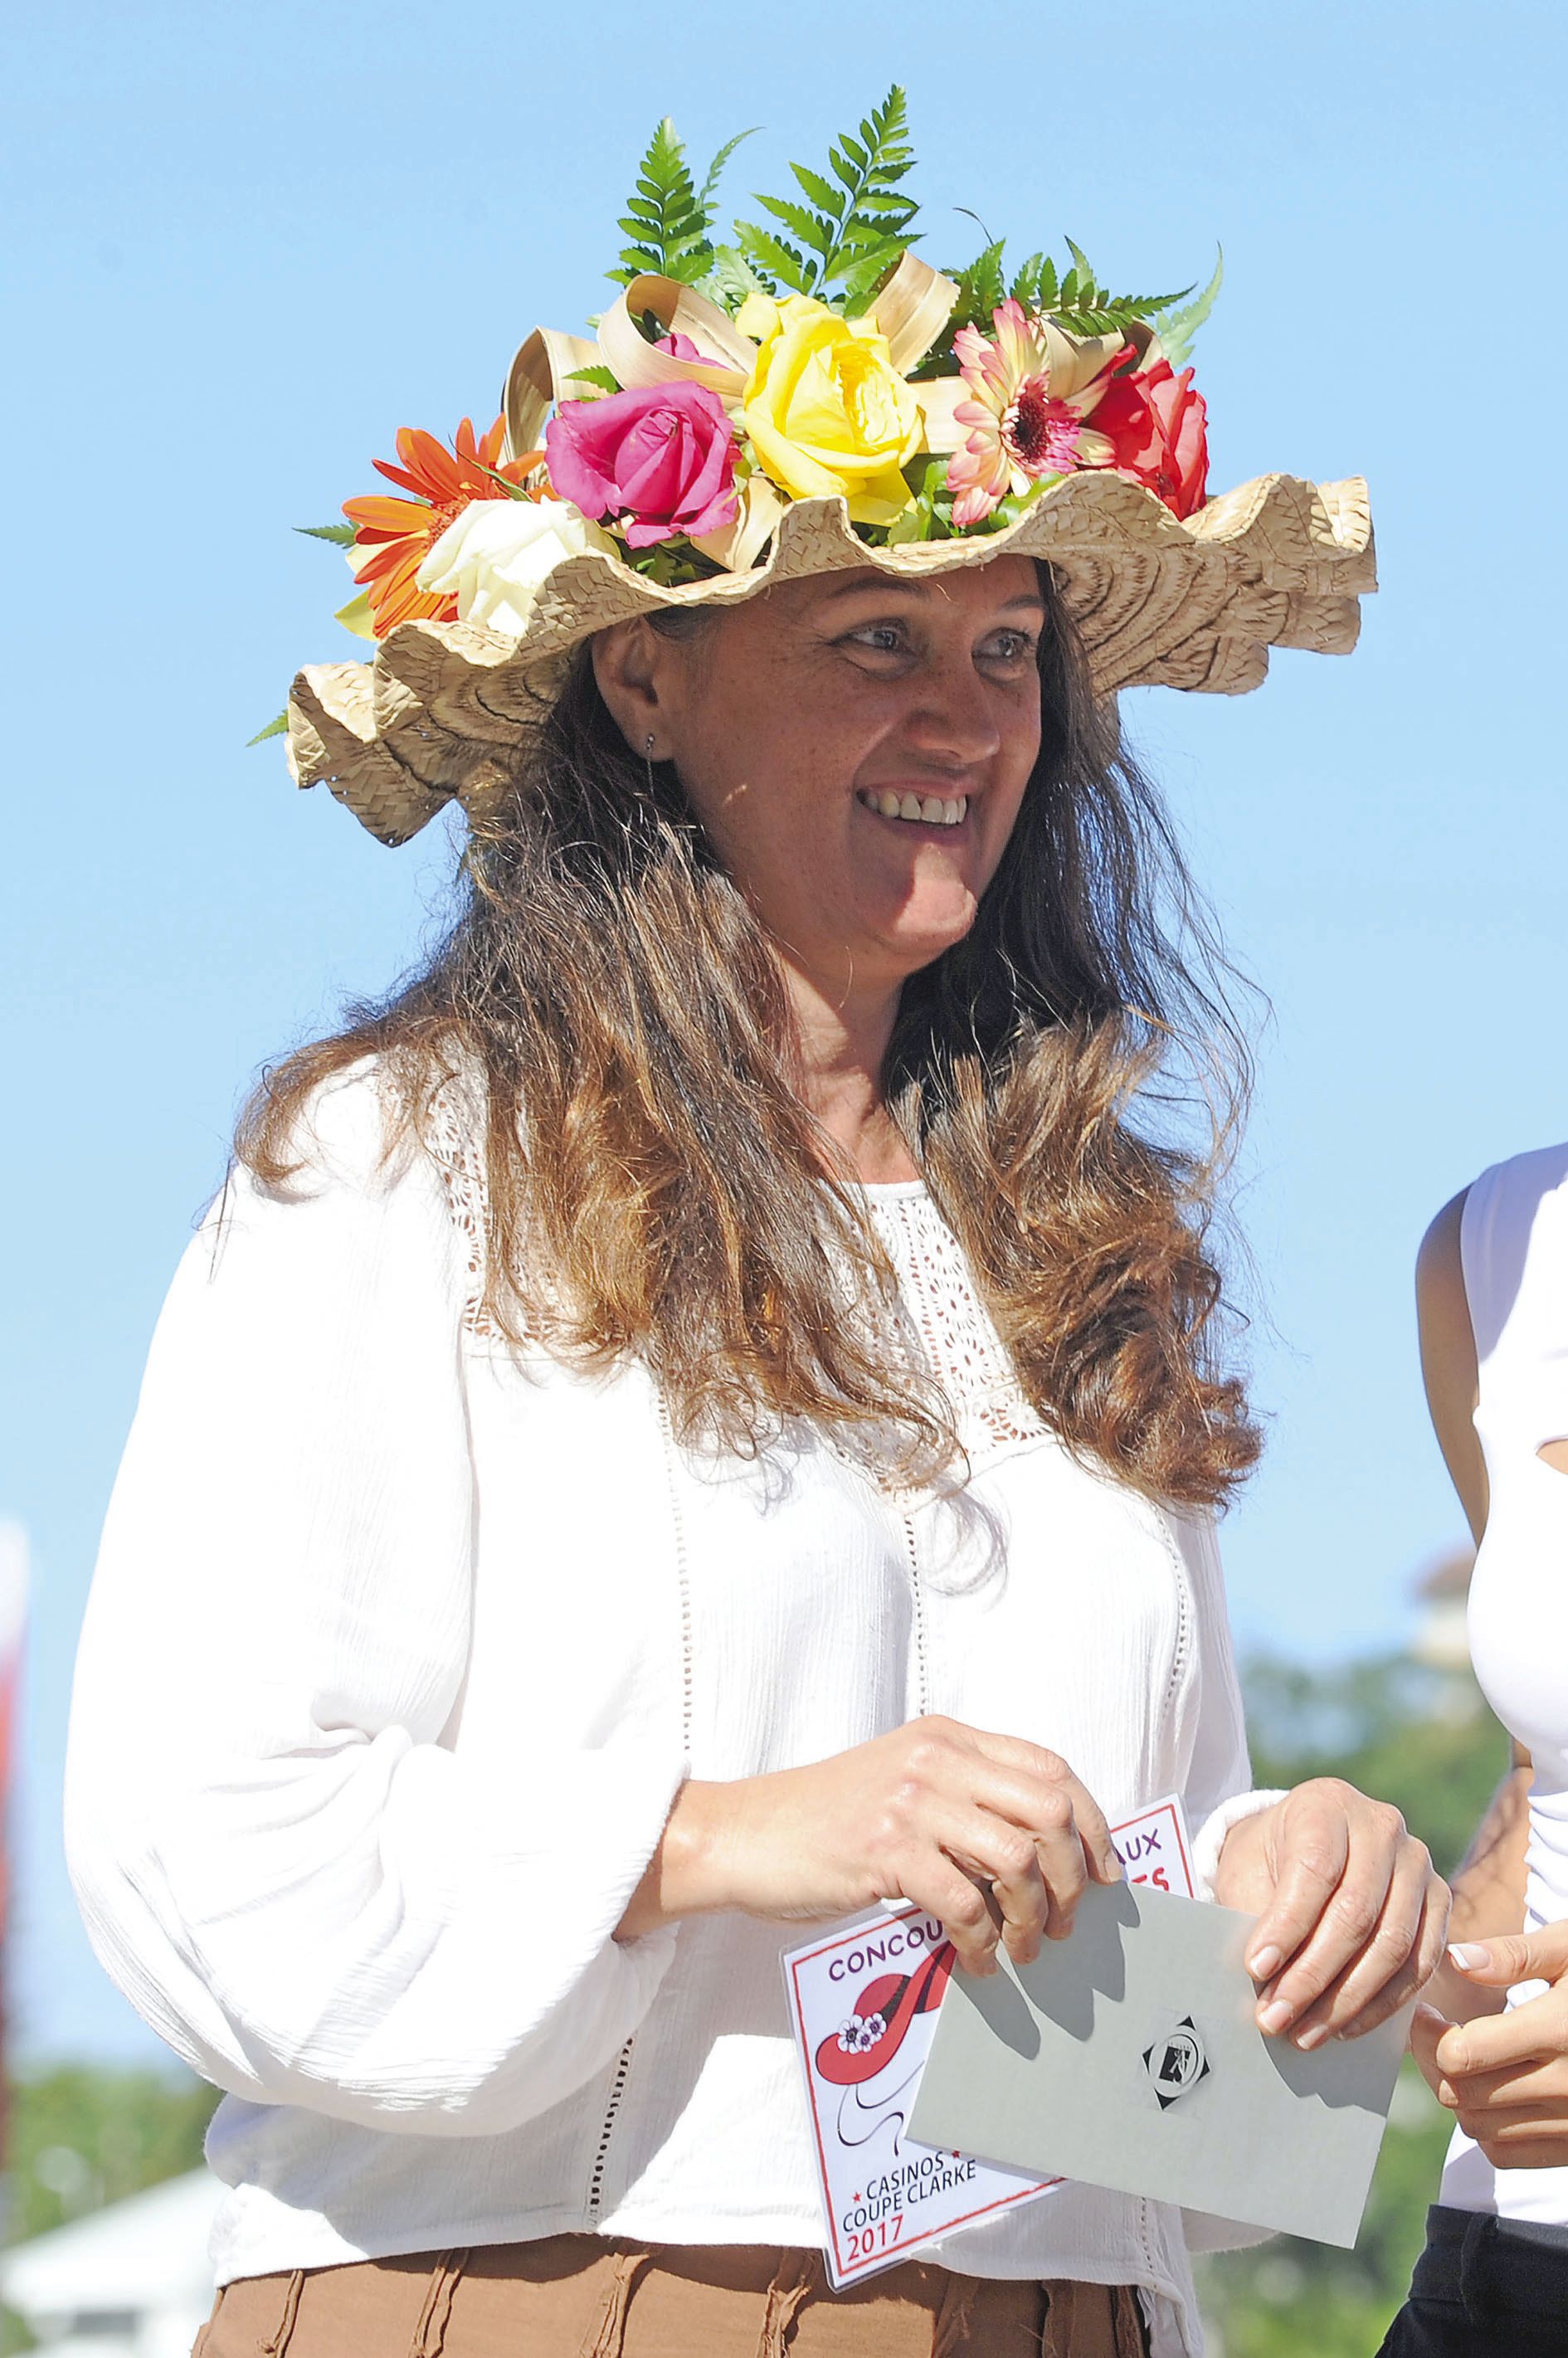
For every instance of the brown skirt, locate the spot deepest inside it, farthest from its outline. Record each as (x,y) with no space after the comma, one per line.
(580,2297)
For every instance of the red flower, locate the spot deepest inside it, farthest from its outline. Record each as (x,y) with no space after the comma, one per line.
(1158,427)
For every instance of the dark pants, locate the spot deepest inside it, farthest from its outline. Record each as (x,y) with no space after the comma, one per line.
(1484,2287)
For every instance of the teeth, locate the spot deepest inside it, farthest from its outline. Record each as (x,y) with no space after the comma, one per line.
(931,810)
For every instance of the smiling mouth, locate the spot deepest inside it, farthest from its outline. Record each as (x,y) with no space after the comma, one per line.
(915,810)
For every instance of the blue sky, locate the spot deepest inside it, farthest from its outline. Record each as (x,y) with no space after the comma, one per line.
(244,245)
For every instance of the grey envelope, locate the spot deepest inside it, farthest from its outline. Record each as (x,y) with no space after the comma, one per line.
(1126,2056)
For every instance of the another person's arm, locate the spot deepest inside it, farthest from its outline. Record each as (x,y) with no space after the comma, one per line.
(1504,2075)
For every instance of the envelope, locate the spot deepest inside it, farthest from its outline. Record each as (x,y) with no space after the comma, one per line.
(1128,2057)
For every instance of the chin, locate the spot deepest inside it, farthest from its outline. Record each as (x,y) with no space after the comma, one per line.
(913,947)
(932,921)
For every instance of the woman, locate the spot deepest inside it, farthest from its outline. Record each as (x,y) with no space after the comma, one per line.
(699,1415)
(1492,1283)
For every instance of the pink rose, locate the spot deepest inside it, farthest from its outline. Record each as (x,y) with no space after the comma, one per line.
(1158,428)
(661,458)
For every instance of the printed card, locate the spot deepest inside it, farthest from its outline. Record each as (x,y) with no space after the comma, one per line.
(864,2003)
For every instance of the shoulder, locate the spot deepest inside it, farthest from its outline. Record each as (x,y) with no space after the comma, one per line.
(349,1179)
(1500,1242)
(344,1133)
(368,1129)
(1513,1235)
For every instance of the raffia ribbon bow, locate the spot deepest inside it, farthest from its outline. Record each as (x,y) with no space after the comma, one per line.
(911,311)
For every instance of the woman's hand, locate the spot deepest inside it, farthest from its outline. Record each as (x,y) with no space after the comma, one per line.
(994,1836)
(1505,2076)
(1351,1915)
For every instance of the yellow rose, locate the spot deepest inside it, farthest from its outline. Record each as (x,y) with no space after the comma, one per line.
(824,407)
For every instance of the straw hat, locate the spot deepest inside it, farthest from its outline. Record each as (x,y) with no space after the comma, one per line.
(1167,588)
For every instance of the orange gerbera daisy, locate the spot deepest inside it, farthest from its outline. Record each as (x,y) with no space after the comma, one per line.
(397,535)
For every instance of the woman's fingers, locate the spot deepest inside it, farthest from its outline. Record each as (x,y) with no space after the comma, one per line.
(1504,2079)
(1005,1859)
(967,1913)
(1027,1784)
(1399,1957)
(1514,2084)
(1529,2144)
(1534,2032)
(1352,1889)
(1313,1852)
(1509,1958)
(1427,2027)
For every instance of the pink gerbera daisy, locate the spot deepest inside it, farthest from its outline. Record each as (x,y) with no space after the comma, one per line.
(1033,385)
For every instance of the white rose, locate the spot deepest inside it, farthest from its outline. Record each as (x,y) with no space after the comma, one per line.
(494,558)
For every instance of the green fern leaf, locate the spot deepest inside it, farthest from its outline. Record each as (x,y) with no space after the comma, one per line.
(278,728)
(823,193)
(873,214)
(981,287)
(887,200)
(761,248)
(1085,272)
(1035,286)
(1177,328)
(710,189)
(605,379)
(343,535)
(666,220)
(730,279)
(860,280)
(808,227)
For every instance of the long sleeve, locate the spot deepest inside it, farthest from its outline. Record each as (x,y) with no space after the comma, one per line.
(282,1854)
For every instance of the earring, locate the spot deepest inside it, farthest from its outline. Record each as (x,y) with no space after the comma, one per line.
(648,758)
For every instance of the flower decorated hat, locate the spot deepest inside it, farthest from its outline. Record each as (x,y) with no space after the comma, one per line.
(811,396)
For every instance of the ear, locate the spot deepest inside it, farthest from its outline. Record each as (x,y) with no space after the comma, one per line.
(635,669)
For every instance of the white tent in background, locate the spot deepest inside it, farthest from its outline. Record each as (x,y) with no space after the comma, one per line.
(130,2281)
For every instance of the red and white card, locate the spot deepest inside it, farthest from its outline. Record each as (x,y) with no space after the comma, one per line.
(863,2002)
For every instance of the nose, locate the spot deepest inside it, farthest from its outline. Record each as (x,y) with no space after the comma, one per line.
(953,719)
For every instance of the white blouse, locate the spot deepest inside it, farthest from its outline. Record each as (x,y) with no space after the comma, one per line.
(401,1642)
(1513,1249)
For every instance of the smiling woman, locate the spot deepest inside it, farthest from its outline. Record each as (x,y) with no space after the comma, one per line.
(703,1411)
(727,973)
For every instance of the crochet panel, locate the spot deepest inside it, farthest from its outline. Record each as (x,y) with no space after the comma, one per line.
(951,1330)
(453,1136)
(939,1318)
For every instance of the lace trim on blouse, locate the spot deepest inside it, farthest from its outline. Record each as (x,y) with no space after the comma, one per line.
(939,1320)
(948,1328)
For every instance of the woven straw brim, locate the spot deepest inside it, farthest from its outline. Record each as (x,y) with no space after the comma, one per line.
(1159,601)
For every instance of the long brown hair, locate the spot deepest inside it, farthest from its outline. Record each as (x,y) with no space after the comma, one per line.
(656,1186)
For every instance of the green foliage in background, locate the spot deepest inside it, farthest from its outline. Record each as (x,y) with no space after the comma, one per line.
(1423,1740)
(80,2136)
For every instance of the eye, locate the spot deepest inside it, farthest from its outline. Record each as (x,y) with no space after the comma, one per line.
(881,638)
(1011,648)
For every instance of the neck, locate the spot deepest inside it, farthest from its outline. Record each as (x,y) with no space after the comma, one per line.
(843,1038)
